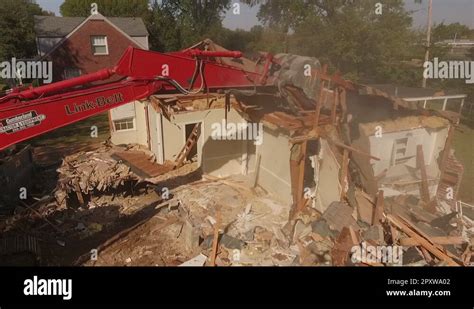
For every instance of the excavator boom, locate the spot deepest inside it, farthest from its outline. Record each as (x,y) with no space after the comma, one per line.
(26,113)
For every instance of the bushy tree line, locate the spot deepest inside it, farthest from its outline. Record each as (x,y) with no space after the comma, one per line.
(360,39)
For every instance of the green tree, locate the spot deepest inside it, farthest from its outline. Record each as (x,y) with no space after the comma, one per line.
(124,8)
(194,19)
(17,28)
(349,35)
(444,31)
(162,26)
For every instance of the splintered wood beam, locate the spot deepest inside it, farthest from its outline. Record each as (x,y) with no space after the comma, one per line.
(424,192)
(378,210)
(294,184)
(342,102)
(257,168)
(334,106)
(447,149)
(215,242)
(425,243)
(297,170)
(344,168)
(301,170)
(439,240)
(78,191)
(147,122)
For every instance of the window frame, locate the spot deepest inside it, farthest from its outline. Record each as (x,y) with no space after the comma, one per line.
(93,45)
(125,121)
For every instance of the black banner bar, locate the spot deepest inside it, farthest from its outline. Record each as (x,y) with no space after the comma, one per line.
(239,285)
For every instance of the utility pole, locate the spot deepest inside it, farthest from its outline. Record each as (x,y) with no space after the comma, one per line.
(428,38)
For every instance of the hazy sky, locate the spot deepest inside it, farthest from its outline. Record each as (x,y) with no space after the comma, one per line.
(449,11)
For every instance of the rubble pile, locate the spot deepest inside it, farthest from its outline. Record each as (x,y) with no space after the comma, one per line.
(88,172)
(393,232)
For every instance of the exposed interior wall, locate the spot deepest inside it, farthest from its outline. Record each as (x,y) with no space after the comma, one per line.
(173,138)
(216,157)
(274,171)
(138,134)
(222,157)
(329,188)
(229,157)
(399,174)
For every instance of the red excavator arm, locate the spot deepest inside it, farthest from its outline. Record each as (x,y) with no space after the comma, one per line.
(28,112)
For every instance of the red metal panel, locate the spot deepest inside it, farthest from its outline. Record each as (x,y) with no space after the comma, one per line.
(148,64)
(21,121)
(48,110)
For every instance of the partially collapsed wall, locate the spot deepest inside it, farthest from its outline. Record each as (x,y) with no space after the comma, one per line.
(396,143)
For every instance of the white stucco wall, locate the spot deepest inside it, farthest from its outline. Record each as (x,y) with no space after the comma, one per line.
(274,173)
(407,174)
(137,135)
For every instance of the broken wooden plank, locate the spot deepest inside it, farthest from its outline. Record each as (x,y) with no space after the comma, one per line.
(446,150)
(378,210)
(342,247)
(334,106)
(215,242)
(78,191)
(424,192)
(297,171)
(426,255)
(398,222)
(257,168)
(394,234)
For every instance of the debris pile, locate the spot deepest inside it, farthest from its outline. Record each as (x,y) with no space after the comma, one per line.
(92,172)
(389,233)
(395,231)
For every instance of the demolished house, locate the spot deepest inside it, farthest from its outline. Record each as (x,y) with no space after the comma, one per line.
(297,176)
(262,135)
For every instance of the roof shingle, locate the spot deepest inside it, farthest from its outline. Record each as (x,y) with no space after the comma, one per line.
(54,26)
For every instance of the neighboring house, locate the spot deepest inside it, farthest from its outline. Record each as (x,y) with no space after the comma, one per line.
(79,45)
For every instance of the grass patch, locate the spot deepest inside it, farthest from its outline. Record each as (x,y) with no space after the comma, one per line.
(79,132)
(54,145)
